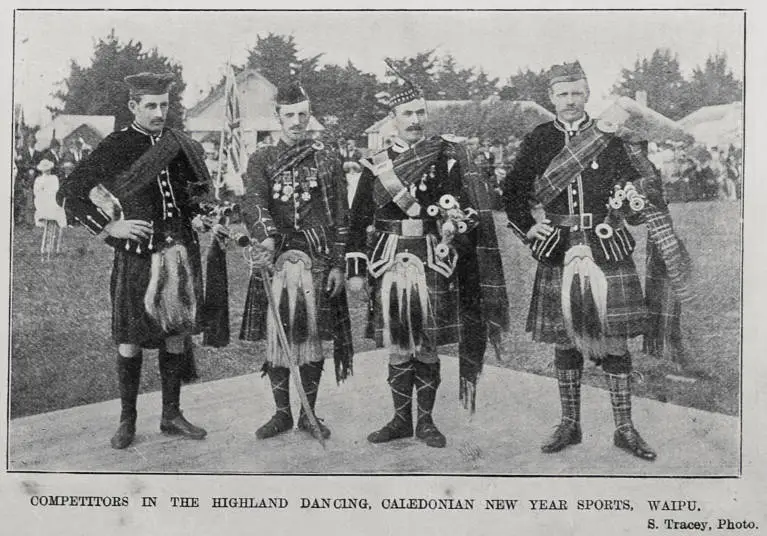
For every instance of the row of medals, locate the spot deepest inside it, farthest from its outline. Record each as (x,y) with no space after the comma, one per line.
(288,187)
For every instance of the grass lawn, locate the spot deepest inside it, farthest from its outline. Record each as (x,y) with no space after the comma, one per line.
(62,354)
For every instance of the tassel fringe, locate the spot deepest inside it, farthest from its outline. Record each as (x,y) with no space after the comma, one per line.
(405,299)
(293,291)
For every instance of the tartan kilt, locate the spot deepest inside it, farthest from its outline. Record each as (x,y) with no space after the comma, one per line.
(443,324)
(131,324)
(333,322)
(626,309)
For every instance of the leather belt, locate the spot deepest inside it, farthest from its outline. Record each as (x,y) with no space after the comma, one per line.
(574,221)
(408,227)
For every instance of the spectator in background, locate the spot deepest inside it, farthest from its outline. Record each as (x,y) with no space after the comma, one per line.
(353,171)
(48,213)
(55,155)
(349,152)
(26,164)
(211,158)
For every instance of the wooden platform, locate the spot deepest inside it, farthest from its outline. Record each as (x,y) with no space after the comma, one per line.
(516,411)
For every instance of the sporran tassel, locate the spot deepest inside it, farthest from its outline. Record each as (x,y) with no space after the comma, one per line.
(592,325)
(284,310)
(576,304)
(300,318)
(395,326)
(415,315)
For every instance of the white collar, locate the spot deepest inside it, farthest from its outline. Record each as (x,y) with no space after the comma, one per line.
(575,125)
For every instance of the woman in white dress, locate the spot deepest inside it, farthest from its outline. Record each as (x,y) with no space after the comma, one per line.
(48,213)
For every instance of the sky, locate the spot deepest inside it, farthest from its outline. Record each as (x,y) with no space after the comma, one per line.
(500,42)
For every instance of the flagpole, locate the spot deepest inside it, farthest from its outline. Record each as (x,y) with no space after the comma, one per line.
(219,180)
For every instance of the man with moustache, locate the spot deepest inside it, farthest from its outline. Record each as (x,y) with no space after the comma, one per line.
(562,199)
(140,190)
(401,240)
(295,205)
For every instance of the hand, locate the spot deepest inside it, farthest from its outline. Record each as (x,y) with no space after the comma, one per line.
(130,229)
(268,243)
(540,230)
(356,284)
(220,231)
(335,282)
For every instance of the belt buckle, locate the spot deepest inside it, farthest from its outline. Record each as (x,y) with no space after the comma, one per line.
(586,220)
(412,227)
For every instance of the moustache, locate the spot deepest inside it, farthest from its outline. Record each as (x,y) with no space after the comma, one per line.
(414,128)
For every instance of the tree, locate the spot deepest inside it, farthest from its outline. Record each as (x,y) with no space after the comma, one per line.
(660,76)
(454,82)
(346,95)
(99,89)
(714,83)
(528,85)
(421,70)
(276,58)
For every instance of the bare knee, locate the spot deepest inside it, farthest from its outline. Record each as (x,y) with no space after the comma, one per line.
(128,350)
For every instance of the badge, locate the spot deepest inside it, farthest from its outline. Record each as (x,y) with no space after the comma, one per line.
(594,165)
(318,145)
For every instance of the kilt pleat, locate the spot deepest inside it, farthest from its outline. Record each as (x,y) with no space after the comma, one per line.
(626,310)
(131,324)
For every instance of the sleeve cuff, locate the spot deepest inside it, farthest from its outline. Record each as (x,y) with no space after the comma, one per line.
(89,215)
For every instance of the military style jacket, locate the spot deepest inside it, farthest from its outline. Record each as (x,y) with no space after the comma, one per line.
(298,190)
(584,203)
(166,202)
(443,176)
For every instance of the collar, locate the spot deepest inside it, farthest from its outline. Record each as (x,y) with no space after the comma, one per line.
(138,128)
(575,126)
(400,146)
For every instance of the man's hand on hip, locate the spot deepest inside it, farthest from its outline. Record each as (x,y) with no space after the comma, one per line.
(130,229)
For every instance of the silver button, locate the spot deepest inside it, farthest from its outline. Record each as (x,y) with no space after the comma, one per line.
(575,203)
(167,194)
(165,183)
(575,227)
(169,214)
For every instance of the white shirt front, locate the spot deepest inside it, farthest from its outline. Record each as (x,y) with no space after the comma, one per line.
(352,180)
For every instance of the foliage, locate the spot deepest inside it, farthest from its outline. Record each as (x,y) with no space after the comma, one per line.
(714,83)
(530,86)
(99,89)
(496,120)
(660,76)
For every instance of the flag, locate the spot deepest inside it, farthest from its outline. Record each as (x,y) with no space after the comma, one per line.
(231,136)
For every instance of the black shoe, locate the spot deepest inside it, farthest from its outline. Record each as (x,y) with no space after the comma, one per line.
(628,439)
(278,424)
(428,432)
(178,425)
(124,435)
(395,429)
(305,425)
(565,434)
